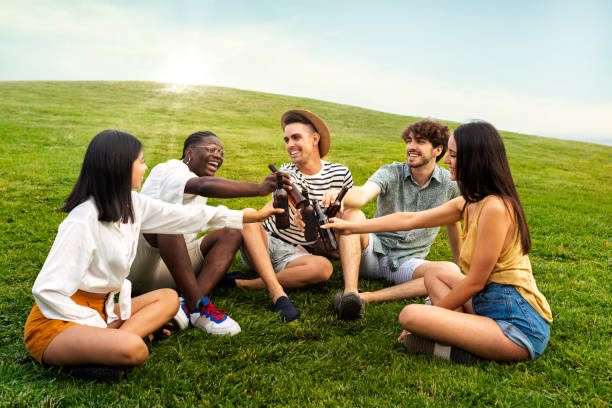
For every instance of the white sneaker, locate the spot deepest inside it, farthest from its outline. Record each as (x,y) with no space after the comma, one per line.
(182,316)
(212,320)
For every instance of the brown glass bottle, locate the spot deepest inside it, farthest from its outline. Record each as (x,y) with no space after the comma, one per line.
(332,210)
(327,235)
(295,196)
(311,228)
(281,200)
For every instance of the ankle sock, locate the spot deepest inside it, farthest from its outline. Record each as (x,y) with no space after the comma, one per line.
(285,308)
(418,344)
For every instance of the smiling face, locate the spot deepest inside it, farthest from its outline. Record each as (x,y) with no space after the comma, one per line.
(138,170)
(420,152)
(302,143)
(451,157)
(205,157)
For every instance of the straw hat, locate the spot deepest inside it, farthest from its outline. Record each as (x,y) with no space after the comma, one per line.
(319,125)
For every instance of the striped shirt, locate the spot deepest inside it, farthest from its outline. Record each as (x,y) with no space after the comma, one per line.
(331,176)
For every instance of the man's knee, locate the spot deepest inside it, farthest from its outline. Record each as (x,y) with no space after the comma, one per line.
(232,236)
(348,242)
(252,227)
(353,214)
(322,269)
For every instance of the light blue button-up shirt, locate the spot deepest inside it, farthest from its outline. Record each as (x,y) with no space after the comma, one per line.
(399,192)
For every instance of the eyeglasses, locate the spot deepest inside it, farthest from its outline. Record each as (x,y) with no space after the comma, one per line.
(211,150)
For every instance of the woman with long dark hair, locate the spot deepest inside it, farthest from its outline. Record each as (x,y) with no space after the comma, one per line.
(75,321)
(494,311)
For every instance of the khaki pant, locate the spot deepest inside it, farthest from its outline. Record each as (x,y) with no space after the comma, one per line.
(149,271)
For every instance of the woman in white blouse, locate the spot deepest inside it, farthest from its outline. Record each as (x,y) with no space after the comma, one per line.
(75,321)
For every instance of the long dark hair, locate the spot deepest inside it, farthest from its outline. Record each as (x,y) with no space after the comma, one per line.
(482,169)
(106,176)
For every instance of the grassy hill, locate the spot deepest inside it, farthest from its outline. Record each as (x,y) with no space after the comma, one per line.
(565,187)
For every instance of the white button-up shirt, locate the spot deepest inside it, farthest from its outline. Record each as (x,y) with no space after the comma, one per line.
(95,256)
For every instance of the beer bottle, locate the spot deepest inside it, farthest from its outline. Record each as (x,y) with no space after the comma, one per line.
(281,201)
(332,210)
(311,227)
(295,196)
(327,235)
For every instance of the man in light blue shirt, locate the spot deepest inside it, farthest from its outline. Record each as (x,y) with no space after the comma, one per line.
(414,185)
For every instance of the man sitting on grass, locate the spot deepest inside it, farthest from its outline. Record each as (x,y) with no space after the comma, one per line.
(414,185)
(286,251)
(195,265)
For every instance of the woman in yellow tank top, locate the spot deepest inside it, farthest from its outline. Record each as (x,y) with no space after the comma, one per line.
(494,311)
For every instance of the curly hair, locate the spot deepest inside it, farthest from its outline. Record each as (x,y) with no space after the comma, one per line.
(431,130)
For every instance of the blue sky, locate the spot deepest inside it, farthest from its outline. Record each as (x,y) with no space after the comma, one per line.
(539,67)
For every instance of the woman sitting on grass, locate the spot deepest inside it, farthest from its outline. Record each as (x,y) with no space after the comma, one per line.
(495,311)
(75,321)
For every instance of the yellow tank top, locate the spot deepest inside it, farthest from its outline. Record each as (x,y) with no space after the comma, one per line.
(512,267)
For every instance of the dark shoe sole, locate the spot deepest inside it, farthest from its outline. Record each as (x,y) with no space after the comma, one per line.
(351,306)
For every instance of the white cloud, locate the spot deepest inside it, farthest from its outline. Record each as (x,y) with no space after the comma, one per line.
(93,41)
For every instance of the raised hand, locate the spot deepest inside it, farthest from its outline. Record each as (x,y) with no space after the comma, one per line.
(329,197)
(268,184)
(341,226)
(250,216)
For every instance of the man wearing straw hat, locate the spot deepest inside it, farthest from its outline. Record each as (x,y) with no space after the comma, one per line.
(286,251)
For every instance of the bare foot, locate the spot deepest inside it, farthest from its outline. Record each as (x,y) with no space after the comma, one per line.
(159,334)
(403,335)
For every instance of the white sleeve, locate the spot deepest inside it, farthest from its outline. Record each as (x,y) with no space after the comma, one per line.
(66,265)
(172,185)
(163,218)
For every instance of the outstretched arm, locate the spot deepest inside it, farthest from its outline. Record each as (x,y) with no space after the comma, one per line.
(358,196)
(445,214)
(219,187)
(260,215)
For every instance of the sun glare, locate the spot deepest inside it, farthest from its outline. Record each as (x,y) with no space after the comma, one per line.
(181,73)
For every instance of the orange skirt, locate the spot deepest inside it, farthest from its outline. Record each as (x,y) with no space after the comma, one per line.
(39,331)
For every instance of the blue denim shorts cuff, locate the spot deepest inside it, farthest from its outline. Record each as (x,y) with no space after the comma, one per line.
(517,337)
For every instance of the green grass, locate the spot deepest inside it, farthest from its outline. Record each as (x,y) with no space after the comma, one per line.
(565,187)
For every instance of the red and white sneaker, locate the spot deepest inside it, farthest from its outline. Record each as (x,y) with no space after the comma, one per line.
(182,316)
(212,320)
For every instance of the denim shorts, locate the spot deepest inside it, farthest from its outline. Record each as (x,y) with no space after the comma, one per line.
(281,253)
(518,320)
